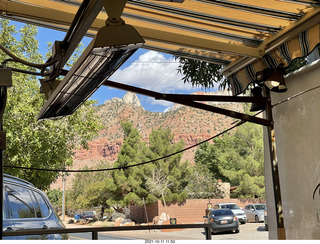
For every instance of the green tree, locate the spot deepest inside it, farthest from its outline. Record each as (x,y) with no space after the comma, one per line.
(32,143)
(92,189)
(55,197)
(200,73)
(171,174)
(165,179)
(237,158)
(202,184)
(130,182)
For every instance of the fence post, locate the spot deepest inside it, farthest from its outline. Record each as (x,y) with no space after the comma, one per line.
(94,235)
(208,232)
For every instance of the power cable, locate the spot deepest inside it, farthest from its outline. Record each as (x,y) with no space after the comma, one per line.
(17,59)
(129,166)
(295,96)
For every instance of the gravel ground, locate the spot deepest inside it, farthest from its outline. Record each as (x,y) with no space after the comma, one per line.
(248,231)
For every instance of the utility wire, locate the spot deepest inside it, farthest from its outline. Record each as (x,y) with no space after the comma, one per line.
(295,96)
(17,59)
(129,166)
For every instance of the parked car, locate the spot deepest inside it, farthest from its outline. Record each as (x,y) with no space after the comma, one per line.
(255,212)
(78,217)
(222,220)
(241,215)
(89,215)
(27,208)
(266,219)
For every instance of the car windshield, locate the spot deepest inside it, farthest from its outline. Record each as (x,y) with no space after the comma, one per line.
(220,212)
(230,206)
(260,207)
(88,213)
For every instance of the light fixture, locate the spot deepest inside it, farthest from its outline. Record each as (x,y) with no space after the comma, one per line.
(257,106)
(112,46)
(5,77)
(276,81)
(273,79)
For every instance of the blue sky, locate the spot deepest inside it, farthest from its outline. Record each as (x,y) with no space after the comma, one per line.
(146,69)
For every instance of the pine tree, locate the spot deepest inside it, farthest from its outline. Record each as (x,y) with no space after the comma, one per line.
(238,159)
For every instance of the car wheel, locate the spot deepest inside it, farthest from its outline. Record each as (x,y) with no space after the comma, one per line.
(256,219)
(243,222)
(266,227)
(237,231)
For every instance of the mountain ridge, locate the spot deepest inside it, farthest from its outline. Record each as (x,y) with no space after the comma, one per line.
(188,124)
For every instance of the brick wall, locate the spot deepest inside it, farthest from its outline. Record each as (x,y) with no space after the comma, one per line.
(190,211)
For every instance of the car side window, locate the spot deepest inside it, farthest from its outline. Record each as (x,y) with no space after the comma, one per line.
(247,207)
(43,209)
(19,202)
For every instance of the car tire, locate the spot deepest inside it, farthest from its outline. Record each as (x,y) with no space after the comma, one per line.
(237,231)
(266,227)
(243,222)
(256,218)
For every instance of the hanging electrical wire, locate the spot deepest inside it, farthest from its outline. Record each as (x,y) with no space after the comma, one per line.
(295,96)
(129,166)
(17,59)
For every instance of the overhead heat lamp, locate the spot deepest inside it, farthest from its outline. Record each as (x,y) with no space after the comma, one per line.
(111,47)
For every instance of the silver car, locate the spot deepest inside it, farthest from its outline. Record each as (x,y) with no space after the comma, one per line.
(241,215)
(27,208)
(255,212)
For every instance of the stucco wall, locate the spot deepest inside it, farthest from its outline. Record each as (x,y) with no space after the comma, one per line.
(188,212)
(297,133)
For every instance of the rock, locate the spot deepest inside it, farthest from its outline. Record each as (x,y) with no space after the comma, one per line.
(131,98)
(118,221)
(128,224)
(164,217)
(158,220)
(155,220)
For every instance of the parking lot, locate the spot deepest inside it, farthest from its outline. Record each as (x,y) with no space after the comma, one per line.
(248,231)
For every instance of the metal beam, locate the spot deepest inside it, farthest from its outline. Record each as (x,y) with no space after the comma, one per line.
(217,98)
(190,103)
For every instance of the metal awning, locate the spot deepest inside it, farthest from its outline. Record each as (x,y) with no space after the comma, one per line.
(245,36)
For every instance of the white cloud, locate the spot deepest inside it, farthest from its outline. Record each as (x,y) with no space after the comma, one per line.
(153,71)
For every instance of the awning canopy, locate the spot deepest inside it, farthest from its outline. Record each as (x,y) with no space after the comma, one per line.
(245,36)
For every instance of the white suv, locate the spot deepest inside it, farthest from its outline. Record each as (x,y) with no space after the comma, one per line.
(241,215)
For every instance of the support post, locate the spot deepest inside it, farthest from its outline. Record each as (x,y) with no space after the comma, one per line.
(3,100)
(5,82)
(94,235)
(1,186)
(64,196)
(208,232)
(275,173)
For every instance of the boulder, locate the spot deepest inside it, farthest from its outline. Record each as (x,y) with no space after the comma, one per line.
(118,221)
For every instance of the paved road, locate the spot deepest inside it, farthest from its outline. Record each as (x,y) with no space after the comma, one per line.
(88,236)
(248,231)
